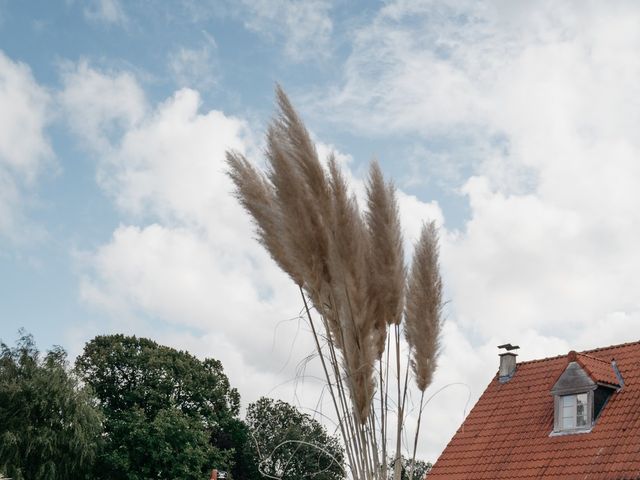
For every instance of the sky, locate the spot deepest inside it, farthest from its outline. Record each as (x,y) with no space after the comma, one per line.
(514,125)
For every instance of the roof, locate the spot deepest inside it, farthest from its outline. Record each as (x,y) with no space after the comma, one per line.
(599,370)
(506,434)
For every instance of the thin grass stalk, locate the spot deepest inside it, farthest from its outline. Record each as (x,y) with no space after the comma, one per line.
(326,372)
(374,440)
(348,413)
(362,445)
(397,466)
(367,449)
(341,395)
(405,388)
(386,401)
(374,444)
(383,420)
(415,440)
(351,424)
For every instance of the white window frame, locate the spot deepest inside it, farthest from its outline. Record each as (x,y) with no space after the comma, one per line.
(558,424)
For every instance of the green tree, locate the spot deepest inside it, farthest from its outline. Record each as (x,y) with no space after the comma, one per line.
(292,445)
(237,436)
(49,428)
(420,469)
(166,412)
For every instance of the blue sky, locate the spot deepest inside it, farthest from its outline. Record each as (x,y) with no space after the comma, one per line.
(513,125)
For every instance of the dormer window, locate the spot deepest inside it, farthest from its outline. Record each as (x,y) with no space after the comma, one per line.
(581,393)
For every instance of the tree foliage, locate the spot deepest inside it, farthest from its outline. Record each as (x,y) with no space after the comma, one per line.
(166,412)
(291,445)
(49,428)
(420,469)
(171,445)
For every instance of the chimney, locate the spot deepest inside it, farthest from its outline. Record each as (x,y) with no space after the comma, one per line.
(507,362)
(214,475)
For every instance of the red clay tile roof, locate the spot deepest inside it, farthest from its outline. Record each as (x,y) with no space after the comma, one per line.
(599,370)
(506,435)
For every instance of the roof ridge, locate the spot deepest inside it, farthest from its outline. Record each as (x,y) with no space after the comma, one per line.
(584,352)
(591,357)
(620,345)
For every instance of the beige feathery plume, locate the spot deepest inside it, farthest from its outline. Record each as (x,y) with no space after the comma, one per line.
(304,196)
(303,150)
(386,269)
(257,196)
(424,307)
(304,223)
(349,264)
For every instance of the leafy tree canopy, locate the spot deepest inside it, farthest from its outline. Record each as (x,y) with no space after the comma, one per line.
(292,445)
(49,428)
(167,412)
(172,445)
(127,372)
(420,469)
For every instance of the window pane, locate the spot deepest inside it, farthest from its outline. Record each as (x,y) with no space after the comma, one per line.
(568,422)
(581,410)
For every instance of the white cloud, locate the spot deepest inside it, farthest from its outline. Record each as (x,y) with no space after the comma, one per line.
(195,67)
(98,105)
(549,96)
(106,11)
(547,257)
(24,147)
(172,163)
(197,270)
(304,27)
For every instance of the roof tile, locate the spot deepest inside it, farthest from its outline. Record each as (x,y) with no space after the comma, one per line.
(598,369)
(506,434)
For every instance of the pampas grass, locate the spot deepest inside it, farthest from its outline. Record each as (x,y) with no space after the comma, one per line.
(424,307)
(350,265)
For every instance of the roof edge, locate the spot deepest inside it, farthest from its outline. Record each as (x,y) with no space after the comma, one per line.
(584,352)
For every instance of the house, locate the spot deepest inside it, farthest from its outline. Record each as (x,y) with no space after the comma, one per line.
(575,416)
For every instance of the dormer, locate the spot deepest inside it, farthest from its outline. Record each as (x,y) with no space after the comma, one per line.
(582,391)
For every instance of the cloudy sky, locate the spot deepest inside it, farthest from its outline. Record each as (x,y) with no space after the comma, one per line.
(514,125)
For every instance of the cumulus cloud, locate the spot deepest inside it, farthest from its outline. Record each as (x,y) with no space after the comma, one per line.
(543,101)
(189,260)
(548,96)
(172,164)
(24,148)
